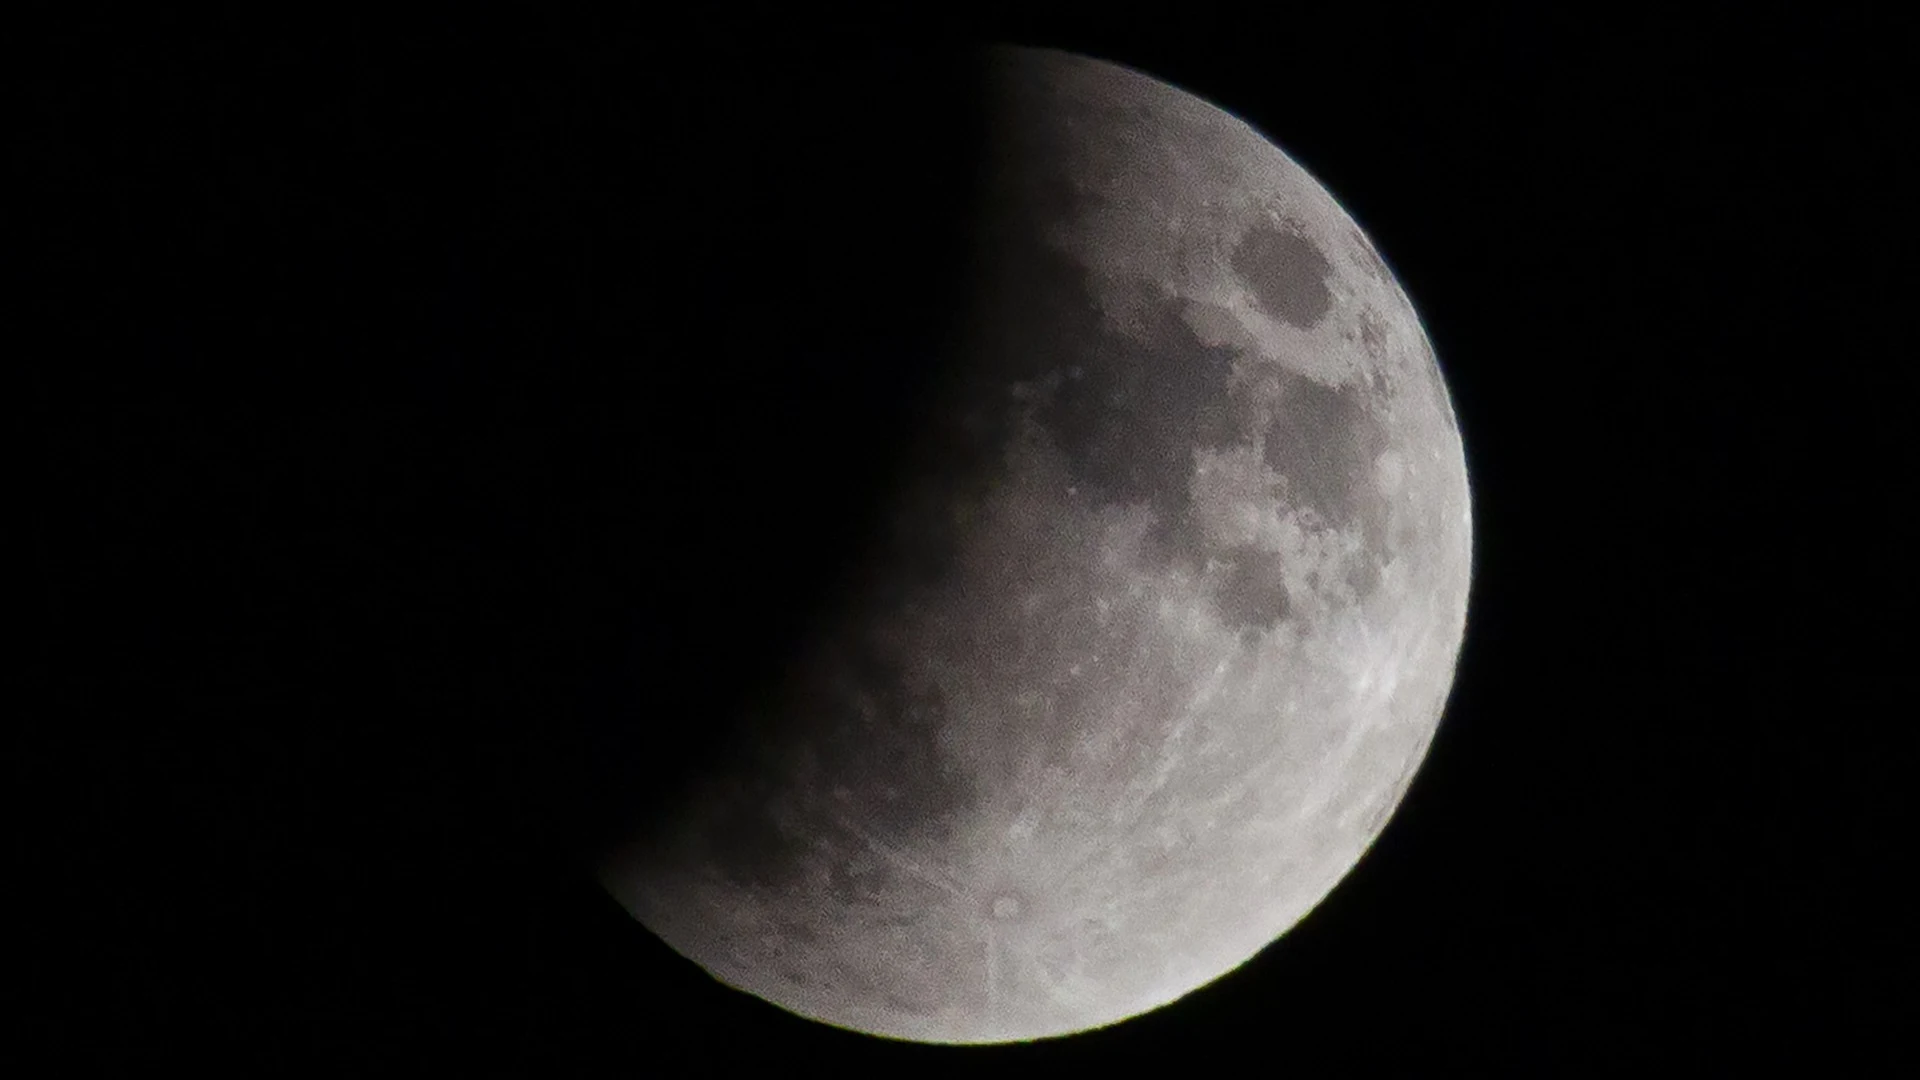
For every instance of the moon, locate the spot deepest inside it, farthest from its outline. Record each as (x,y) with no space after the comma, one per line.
(1160,625)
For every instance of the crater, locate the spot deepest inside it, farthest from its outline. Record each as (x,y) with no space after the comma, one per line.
(1007,905)
(1373,338)
(1286,273)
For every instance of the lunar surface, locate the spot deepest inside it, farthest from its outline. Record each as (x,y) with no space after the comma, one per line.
(1161,627)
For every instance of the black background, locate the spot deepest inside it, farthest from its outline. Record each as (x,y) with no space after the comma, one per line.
(434,422)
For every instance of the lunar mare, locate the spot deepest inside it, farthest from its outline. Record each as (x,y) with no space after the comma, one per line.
(1163,626)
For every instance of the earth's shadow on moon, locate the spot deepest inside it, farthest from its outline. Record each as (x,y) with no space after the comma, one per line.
(723,298)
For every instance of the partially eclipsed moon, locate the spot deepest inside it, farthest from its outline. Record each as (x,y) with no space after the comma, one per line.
(1163,629)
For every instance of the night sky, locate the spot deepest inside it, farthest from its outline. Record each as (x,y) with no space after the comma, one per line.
(424,418)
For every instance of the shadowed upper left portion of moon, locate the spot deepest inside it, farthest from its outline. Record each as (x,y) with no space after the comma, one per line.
(1154,632)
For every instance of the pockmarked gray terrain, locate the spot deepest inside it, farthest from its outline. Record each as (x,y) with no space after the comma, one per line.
(1163,625)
